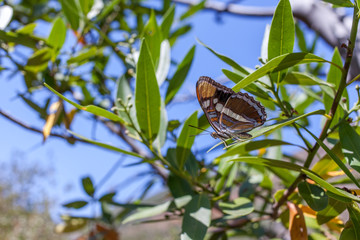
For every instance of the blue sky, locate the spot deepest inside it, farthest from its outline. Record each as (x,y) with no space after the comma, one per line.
(236,36)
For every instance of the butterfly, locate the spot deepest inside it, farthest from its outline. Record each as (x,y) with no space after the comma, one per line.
(230,114)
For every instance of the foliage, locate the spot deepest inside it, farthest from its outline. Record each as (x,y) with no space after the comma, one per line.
(237,192)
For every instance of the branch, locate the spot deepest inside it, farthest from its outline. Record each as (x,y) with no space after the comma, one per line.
(24,125)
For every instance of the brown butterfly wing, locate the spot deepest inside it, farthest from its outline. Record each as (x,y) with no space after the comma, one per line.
(242,113)
(212,97)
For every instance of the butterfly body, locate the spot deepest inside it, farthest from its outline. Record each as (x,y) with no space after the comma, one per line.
(230,114)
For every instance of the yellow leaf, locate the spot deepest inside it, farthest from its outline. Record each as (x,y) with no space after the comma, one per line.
(55,111)
(297,225)
(69,118)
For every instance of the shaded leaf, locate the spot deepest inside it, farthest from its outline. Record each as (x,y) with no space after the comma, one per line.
(76,204)
(180,75)
(38,62)
(88,186)
(332,210)
(197,217)
(143,213)
(240,207)
(186,140)
(314,195)
(350,143)
(335,158)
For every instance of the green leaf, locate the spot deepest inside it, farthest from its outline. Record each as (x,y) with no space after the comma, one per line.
(88,186)
(280,63)
(161,137)
(249,146)
(107,146)
(335,158)
(178,186)
(147,95)
(267,162)
(348,233)
(153,35)
(84,56)
(354,213)
(340,3)
(241,207)
(76,204)
(90,108)
(71,12)
(330,187)
(223,171)
(314,196)
(186,140)
(269,129)
(148,212)
(164,62)
(58,34)
(22,39)
(123,94)
(108,197)
(39,61)
(333,209)
(86,6)
(197,217)
(193,9)
(282,31)
(28,29)
(167,21)
(180,75)
(350,143)
(299,78)
(300,38)
(225,59)
(334,78)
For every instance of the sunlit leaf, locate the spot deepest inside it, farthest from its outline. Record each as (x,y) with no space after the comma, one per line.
(90,108)
(193,9)
(279,63)
(147,95)
(72,12)
(240,207)
(340,3)
(55,110)
(143,213)
(38,62)
(333,209)
(58,33)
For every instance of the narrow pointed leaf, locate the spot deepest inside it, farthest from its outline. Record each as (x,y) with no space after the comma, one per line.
(186,140)
(240,207)
(90,108)
(153,35)
(282,31)
(76,204)
(280,63)
(335,158)
(350,143)
(147,95)
(164,62)
(58,34)
(71,12)
(107,146)
(330,187)
(340,3)
(143,213)
(180,75)
(167,21)
(193,9)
